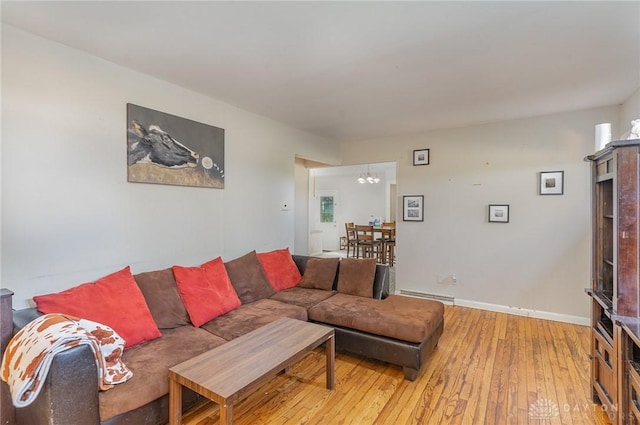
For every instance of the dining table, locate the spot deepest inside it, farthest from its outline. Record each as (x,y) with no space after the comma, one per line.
(384,234)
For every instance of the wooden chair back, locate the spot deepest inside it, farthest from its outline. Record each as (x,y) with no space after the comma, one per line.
(388,234)
(352,239)
(371,247)
(364,233)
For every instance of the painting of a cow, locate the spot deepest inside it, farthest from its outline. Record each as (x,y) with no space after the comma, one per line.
(166,149)
(156,146)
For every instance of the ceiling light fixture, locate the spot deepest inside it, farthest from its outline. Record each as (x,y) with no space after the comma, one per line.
(368,177)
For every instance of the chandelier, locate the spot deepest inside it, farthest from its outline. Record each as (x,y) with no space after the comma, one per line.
(368,177)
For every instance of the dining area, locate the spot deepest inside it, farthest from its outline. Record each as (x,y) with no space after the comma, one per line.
(371,241)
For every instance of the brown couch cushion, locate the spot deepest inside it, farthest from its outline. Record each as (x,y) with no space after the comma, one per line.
(249,317)
(248,278)
(304,297)
(150,363)
(356,276)
(320,273)
(161,293)
(397,316)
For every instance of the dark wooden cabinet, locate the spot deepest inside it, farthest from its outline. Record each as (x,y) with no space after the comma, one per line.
(615,286)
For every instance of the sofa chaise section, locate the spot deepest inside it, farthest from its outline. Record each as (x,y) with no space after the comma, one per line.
(398,330)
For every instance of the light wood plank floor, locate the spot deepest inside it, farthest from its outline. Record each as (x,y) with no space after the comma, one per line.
(489,368)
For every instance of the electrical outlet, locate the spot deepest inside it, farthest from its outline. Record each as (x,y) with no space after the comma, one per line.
(447,279)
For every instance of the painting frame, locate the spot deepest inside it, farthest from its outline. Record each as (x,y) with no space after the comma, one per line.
(551,183)
(498,213)
(421,157)
(413,208)
(170,150)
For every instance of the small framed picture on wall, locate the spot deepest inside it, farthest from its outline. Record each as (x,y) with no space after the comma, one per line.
(498,213)
(552,183)
(421,157)
(413,208)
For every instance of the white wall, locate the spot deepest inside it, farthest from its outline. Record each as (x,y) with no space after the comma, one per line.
(629,111)
(68,213)
(540,260)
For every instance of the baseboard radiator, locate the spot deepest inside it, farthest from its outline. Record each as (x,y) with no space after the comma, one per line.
(444,298)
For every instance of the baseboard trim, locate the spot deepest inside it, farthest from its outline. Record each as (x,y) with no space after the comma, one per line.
(536,314)
(416,294)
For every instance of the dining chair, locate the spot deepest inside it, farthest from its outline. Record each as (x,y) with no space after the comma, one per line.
(352,240)
(387,238)
(389,245)
(370,247)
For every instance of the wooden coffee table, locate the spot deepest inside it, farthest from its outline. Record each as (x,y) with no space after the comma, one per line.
(230,371)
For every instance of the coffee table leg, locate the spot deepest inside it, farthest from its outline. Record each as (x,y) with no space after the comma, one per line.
(226,413)
(175,403)
(331,360)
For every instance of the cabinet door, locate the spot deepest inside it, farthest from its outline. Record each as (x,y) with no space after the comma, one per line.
(628,198)
(632,412)
(604,368)
(604,241)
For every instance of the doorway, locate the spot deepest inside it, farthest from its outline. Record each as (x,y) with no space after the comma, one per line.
(335,196)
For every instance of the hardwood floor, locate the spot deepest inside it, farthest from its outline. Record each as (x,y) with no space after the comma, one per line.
(489,368)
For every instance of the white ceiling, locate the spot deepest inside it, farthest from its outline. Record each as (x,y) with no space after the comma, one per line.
(359,70)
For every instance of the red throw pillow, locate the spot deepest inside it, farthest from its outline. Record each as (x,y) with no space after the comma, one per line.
(281,270)
(206,291)
(114,300)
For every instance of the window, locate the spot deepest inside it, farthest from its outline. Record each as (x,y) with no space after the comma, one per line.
(326,209)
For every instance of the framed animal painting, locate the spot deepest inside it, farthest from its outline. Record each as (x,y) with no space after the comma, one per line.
(167,149)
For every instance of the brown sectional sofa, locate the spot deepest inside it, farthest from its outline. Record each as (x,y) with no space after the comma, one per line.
(390,328)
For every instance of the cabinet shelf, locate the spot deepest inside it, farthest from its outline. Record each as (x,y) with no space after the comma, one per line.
(604,177)
(605,299)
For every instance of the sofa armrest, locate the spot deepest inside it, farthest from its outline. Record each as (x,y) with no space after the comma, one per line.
(69,395)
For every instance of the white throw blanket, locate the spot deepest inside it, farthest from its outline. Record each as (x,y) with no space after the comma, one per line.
(28,356)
